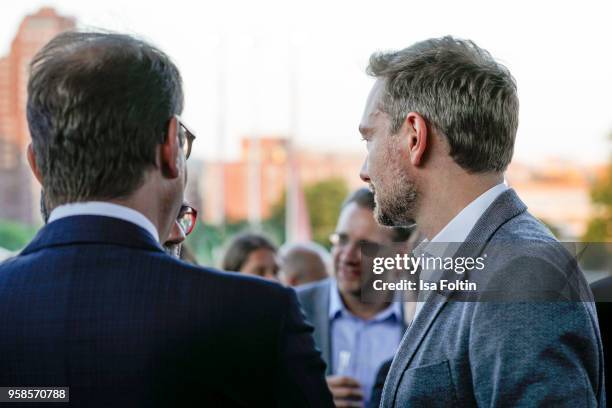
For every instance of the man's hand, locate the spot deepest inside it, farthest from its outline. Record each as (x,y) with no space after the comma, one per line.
(346,391)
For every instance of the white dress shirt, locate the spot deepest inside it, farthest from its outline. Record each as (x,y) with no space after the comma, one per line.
(107,210)
(458,229)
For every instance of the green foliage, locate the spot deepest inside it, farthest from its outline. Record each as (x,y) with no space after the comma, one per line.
(208,242)
(276,221)
(323,200)
(602,190)
(600,226)
(599,230)
(14,235)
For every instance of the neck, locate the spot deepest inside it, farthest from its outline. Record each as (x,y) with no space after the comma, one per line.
(362,310)
(145,200)
(149,211)
(448,195)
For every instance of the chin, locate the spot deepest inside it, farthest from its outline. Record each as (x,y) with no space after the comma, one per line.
(353,290)
(352,287)
(398,211)
(382,218)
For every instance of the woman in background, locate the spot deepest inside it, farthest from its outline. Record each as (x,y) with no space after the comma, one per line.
(252,254)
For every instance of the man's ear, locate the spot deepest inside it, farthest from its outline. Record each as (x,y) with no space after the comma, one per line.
(415,129)
(32,161)
(169,150)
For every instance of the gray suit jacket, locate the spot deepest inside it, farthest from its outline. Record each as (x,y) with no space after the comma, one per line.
(314,298)
(528,353)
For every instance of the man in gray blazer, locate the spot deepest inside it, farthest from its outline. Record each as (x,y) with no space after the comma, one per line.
(440,124)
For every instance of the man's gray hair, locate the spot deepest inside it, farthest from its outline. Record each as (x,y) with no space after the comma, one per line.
(461,91)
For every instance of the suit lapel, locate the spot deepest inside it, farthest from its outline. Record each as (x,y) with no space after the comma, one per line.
(322,322)
(504,208)
(410,343)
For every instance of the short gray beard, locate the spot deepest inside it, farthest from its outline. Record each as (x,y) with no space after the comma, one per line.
(398,208)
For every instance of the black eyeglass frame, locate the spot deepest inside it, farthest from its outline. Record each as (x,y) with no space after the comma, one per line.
(185,135)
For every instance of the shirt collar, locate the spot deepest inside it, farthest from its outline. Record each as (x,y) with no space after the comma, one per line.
(337,308)
(336,305)
(105,209)
(458,229)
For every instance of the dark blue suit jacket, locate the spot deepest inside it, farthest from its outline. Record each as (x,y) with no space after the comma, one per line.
(95,304)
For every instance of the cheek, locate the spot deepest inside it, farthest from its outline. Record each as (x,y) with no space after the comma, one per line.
(336,257)
(378,159)
(247,267)
(391,159)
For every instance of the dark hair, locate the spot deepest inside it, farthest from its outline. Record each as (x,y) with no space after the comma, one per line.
(461,91)
(44,212)
(98,104)
(240,249)
(364,198)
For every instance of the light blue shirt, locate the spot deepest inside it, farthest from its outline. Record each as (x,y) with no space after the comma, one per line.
(359,347)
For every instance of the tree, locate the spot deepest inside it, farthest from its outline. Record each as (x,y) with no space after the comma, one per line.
(600,226)
(599,230)
(323,200)
(14,236)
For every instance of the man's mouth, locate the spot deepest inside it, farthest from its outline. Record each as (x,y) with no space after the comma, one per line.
(350,272)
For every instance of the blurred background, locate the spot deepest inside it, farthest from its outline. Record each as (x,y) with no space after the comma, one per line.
(274,90)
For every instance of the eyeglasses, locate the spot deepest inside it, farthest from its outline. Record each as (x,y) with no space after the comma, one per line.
(187,218)
(341,240)
(186,136)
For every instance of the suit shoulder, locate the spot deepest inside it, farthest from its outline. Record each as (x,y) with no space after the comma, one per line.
(313,295)
(525,236)
(524,227)
(312,289)
(232,281)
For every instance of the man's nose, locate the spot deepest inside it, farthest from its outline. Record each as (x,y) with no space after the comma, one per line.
(363,173)
(177,235)
(351,253)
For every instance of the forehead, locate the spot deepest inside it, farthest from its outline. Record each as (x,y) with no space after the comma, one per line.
(373,102)
(262,255)
(359,223)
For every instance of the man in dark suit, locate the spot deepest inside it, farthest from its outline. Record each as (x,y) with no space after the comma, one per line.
(440,125)
(93,303)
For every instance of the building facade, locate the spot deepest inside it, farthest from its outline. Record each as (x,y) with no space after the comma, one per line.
(19,192)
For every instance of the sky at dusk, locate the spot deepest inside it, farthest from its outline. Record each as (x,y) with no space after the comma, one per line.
(280,67)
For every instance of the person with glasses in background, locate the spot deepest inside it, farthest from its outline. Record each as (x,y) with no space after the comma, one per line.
(184,225)
(355,337)
(93,302)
